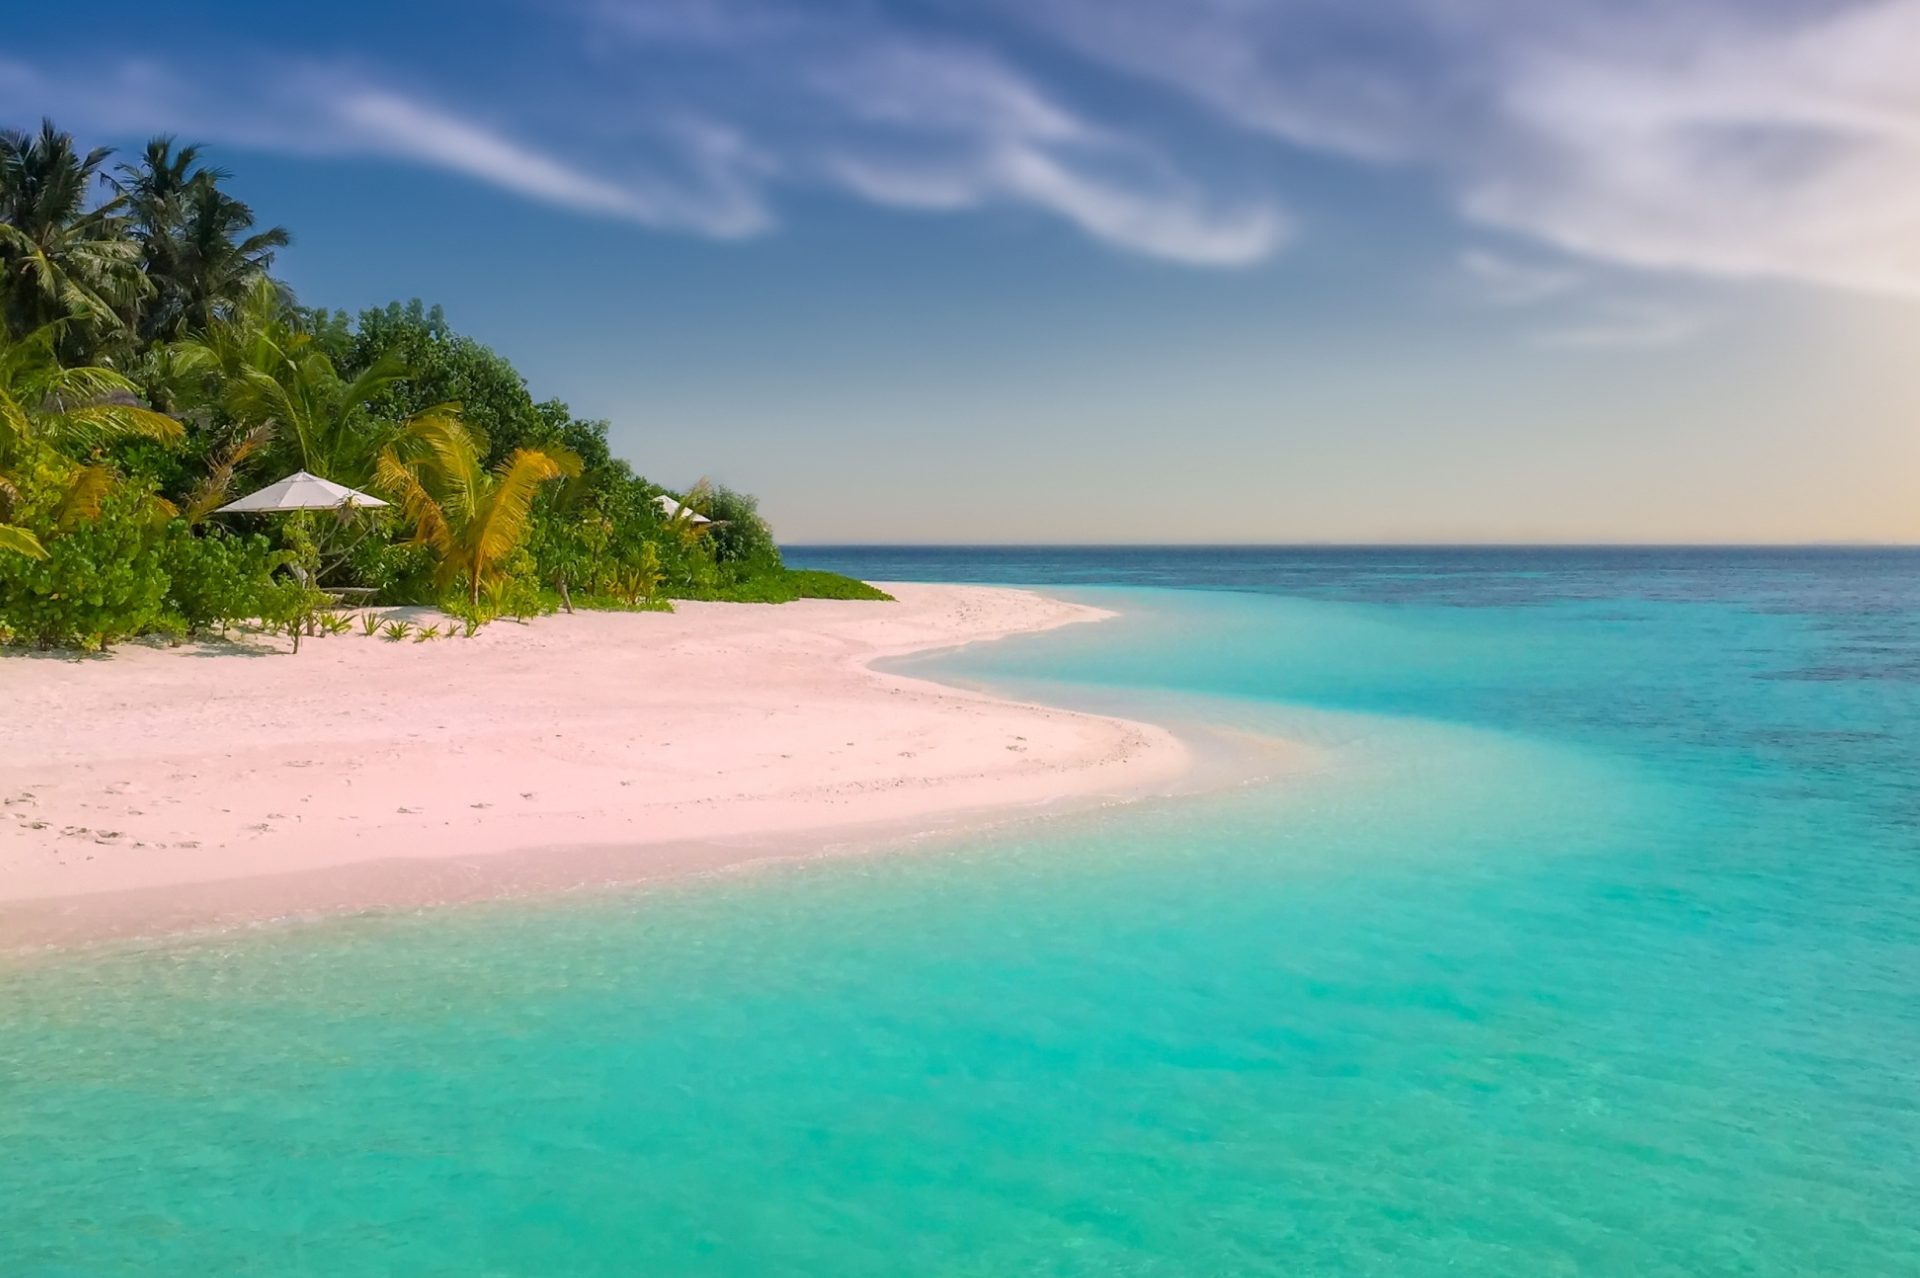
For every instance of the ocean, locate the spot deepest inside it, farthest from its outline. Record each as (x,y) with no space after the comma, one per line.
(1587,942)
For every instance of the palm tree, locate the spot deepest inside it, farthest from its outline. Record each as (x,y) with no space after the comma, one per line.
(69,412)
(59,258)
(261,367)
(570,532)
(471,517)
(193,238)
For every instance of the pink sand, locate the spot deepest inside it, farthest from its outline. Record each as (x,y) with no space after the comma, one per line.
(156,789)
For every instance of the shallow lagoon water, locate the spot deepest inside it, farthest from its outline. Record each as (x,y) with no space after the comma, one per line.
(1590,944)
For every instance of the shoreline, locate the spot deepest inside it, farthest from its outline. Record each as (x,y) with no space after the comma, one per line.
(155,793)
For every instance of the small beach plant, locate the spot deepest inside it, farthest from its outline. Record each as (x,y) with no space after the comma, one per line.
(396,630)
(427,634)
(334,623)
(369,624)
(639,580)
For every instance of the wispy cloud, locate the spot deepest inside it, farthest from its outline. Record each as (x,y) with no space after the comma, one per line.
(1719,138)
(961,129)
(790,96)
(718,196)
(1569,309)
(1726,139)
(1632,325)
(1507,281)
(700,177)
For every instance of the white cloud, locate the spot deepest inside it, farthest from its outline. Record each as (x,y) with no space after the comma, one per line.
(1637,325)
(1788,153)
(391,123)
(699,177)
(1506,281)
(1585,316)
(1725,138)
(939,87)
(1734,140)
(718,197)
(963,130)
(896,118)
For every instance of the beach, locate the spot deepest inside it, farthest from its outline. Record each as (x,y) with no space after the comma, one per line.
(156,790)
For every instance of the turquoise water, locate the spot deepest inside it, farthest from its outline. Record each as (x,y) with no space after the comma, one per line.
(1589,945)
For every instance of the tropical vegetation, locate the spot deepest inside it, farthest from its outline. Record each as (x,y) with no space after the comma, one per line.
(152,369)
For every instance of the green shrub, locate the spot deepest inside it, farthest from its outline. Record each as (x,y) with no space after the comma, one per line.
(103,579)
(517,592)
(812,583)
(638,582)
(400,571)
(216,580)
(787,585)
(294,606)
(741,538)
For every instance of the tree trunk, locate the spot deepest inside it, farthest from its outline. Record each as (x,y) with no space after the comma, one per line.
(566,600)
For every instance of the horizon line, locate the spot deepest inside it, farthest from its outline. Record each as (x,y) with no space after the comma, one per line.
(1349,545)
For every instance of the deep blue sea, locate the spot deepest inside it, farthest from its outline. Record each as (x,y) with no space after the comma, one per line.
(1587,944)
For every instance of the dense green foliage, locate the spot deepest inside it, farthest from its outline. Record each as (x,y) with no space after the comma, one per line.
(798,583)
(152,370)
(101,577)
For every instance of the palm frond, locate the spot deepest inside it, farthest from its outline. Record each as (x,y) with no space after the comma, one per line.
(399,481)
(502,521)
(19,541)
(122,421)
(16,428)
(211,492)
(81,502)
(376,377)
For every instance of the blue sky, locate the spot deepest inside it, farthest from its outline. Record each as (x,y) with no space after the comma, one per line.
(1116,269)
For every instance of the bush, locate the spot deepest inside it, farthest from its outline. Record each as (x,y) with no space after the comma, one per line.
(790,584)
(812,583)
(740,537)
(289,604)
(638,582)
(103,579)
(217,580)
(516,593)
(400,571)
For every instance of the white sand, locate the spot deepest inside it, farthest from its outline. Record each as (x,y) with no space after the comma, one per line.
(155,789)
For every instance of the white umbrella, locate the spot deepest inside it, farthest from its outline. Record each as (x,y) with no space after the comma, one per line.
(673,510)
(300,491)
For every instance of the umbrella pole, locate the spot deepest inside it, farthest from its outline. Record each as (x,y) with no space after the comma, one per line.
(342,558)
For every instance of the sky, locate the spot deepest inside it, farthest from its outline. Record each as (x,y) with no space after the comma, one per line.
(1114,270)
